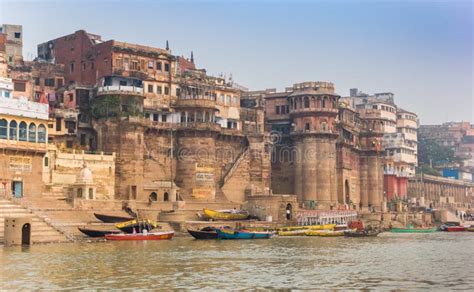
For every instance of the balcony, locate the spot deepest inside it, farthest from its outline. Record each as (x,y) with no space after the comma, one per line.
(23,146)
(320,110)
(119,89)
(196,103)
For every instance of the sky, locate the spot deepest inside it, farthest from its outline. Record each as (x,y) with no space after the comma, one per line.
(422,51)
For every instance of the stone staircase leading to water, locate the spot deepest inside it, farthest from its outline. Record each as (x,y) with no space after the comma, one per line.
(41,231)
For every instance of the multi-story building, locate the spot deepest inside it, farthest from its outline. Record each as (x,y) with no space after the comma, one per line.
(14,42)
(23,144)
(324,153)
(399,141)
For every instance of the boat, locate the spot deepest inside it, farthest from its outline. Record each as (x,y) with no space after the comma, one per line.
(205,233)
(323,227)
(414,230)
(226,214)
(332,233)
(455,228)
(241,234)
(362,233)
(141,236)
(306,227)
(444,227)
(298,232)
(96,232)
(470,229)
(315,232)
(137,225)
(111,218)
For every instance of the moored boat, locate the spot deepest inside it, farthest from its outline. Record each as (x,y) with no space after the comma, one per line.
(141,236)
(299,232)
(96,232)
(204,233)
(306,227)
(226,214)
(137,225)
(455,228)
(470,229)
(241,234)
(111,218)
(413,230)
(362,233)
(332,233)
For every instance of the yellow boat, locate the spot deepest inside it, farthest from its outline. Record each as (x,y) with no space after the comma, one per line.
(312,227)
(299,232)
(324,233)
(322,227)
(315,232)
(226,214)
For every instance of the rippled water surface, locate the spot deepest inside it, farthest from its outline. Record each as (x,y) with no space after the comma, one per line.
(407,261)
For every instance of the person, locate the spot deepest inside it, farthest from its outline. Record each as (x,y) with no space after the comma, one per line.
(145,231)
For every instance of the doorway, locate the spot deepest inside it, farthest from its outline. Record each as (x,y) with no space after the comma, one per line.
(26,234)
(289,211)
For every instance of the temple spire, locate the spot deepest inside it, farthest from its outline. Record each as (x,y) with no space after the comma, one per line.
(192,57)
(167,45)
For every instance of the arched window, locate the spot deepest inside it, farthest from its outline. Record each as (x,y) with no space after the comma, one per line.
(166,197)
(91,193)
(13,130)
(153,197)
(32,133)
(3,129)
(41,133)
(323,103)
(23,131)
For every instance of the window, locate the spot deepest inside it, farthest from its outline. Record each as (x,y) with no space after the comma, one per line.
(13,130)
(49,82)
(374,107)
(167,90)
(58,124)
(134,66)
(277,109)
(287,109)
(123,83)
(159,89)
(71,67)
(306,102)
(125,64)
(41,133)
(150,64)
(167,67)
(17,35)
(227,99)
(306,127)
(155,117)
(37,81)
(158,66)
(7,94)
(69,144)
(222,98)
(60,82)
(3,129)
(46,161)
(236,99)
(83,139)
(23,131)
(92,65)
(150,88)
(178,92)
(324,103)
(32,133)
(83,65)
(163,118)
(19,86)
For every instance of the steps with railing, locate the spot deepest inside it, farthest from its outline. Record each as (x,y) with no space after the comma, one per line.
(229,172)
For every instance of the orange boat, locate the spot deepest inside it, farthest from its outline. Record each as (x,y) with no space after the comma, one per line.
(141,236)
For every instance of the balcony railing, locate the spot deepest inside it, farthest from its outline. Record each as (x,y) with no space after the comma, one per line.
(23,145)
(119,89)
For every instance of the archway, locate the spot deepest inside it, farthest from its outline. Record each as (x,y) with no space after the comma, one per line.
(26,234)
(166,197)
(289,213)
(153,197)
(347,191)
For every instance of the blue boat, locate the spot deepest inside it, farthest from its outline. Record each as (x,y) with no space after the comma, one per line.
(235,234)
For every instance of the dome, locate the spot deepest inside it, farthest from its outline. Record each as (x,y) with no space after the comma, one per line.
(85,175)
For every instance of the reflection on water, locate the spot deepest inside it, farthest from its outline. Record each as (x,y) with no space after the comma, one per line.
(410,261)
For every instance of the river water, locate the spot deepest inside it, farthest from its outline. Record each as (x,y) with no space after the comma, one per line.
(390,261)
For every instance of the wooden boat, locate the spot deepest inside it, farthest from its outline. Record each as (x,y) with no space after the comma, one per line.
(226,214)
(316,232)
(470,229)
(96,232)
(112,219)
(455,228)
(332,233)
(241,234)
(299,232)
(323,227)
(141,236)
(204,233)
(137,225)
(306,227)
(414,230)
(362,233)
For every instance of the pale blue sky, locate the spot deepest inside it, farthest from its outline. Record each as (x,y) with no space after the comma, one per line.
(420,50)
